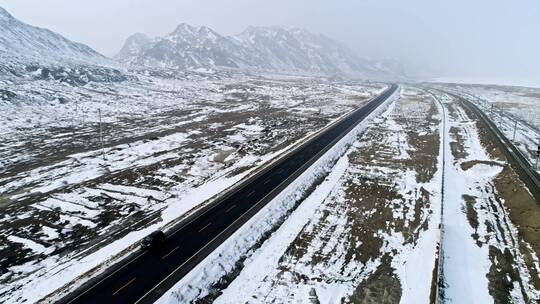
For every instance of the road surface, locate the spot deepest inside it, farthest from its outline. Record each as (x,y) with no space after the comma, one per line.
(146,275)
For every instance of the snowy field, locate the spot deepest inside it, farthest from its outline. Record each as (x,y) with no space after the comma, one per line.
(488,81)
(71,206)
(362,225)
(366,232)
(522,103)
(490,238)
(515,111)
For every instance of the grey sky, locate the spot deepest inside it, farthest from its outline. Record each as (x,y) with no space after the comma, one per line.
(493,38)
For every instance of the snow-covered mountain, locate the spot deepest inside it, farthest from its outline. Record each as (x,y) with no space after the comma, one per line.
(37,53)
(186,47)
(277,49)
(18,40)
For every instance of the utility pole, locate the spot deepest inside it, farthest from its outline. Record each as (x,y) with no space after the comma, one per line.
(398,143)
(537,155)
(101,135)
(515,128)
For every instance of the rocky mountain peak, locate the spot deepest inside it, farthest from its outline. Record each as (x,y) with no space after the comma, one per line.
(184,28)
(5,15)
(272,49)
(133,44)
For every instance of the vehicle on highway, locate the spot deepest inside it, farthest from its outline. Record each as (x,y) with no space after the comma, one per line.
(153,240)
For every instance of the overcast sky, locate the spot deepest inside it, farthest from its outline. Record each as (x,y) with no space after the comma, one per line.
(480,38)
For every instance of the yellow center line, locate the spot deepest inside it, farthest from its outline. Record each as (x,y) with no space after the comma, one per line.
(249,194)
(204,227)
(230,208)
(170,252)
(266,182)
(123,286)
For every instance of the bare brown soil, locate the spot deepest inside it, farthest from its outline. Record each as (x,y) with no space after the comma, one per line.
(368,205)
(469,164)
(502,275)
(435,283)
(376,195)
(382,287)
(458,150)
(485,137)
(424,144)
(472,215)
(533,95)
(509,105)
(523,211)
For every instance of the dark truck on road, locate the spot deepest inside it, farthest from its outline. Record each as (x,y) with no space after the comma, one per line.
(153,240)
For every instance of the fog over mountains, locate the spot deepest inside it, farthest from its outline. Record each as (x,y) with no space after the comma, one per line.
(275,49)
(257,49)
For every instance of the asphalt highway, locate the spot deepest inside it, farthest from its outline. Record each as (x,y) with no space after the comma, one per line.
(147,274)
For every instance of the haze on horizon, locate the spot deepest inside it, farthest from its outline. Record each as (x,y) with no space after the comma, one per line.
(481,39)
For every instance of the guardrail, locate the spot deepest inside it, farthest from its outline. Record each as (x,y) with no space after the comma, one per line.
(438,296)
(514,156)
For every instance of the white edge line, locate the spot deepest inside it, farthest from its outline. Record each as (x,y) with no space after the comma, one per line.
(256,204)
(100,281)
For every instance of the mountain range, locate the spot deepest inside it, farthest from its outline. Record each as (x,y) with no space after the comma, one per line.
(271,49)
(28,49)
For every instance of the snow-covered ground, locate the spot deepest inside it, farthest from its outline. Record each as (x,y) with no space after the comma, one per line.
(368,231)
(170,145)
(522,103)
(488,80)
(515,111)
(485,257)
(361,225)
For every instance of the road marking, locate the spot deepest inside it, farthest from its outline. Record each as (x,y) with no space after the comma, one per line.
(253,206)
(249,194)
(124,286)
(170,252)
(105,278)
(205,227)
(230,208)
(266,181)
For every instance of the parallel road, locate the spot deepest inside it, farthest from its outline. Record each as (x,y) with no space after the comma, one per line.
(518,161)
(146,275)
